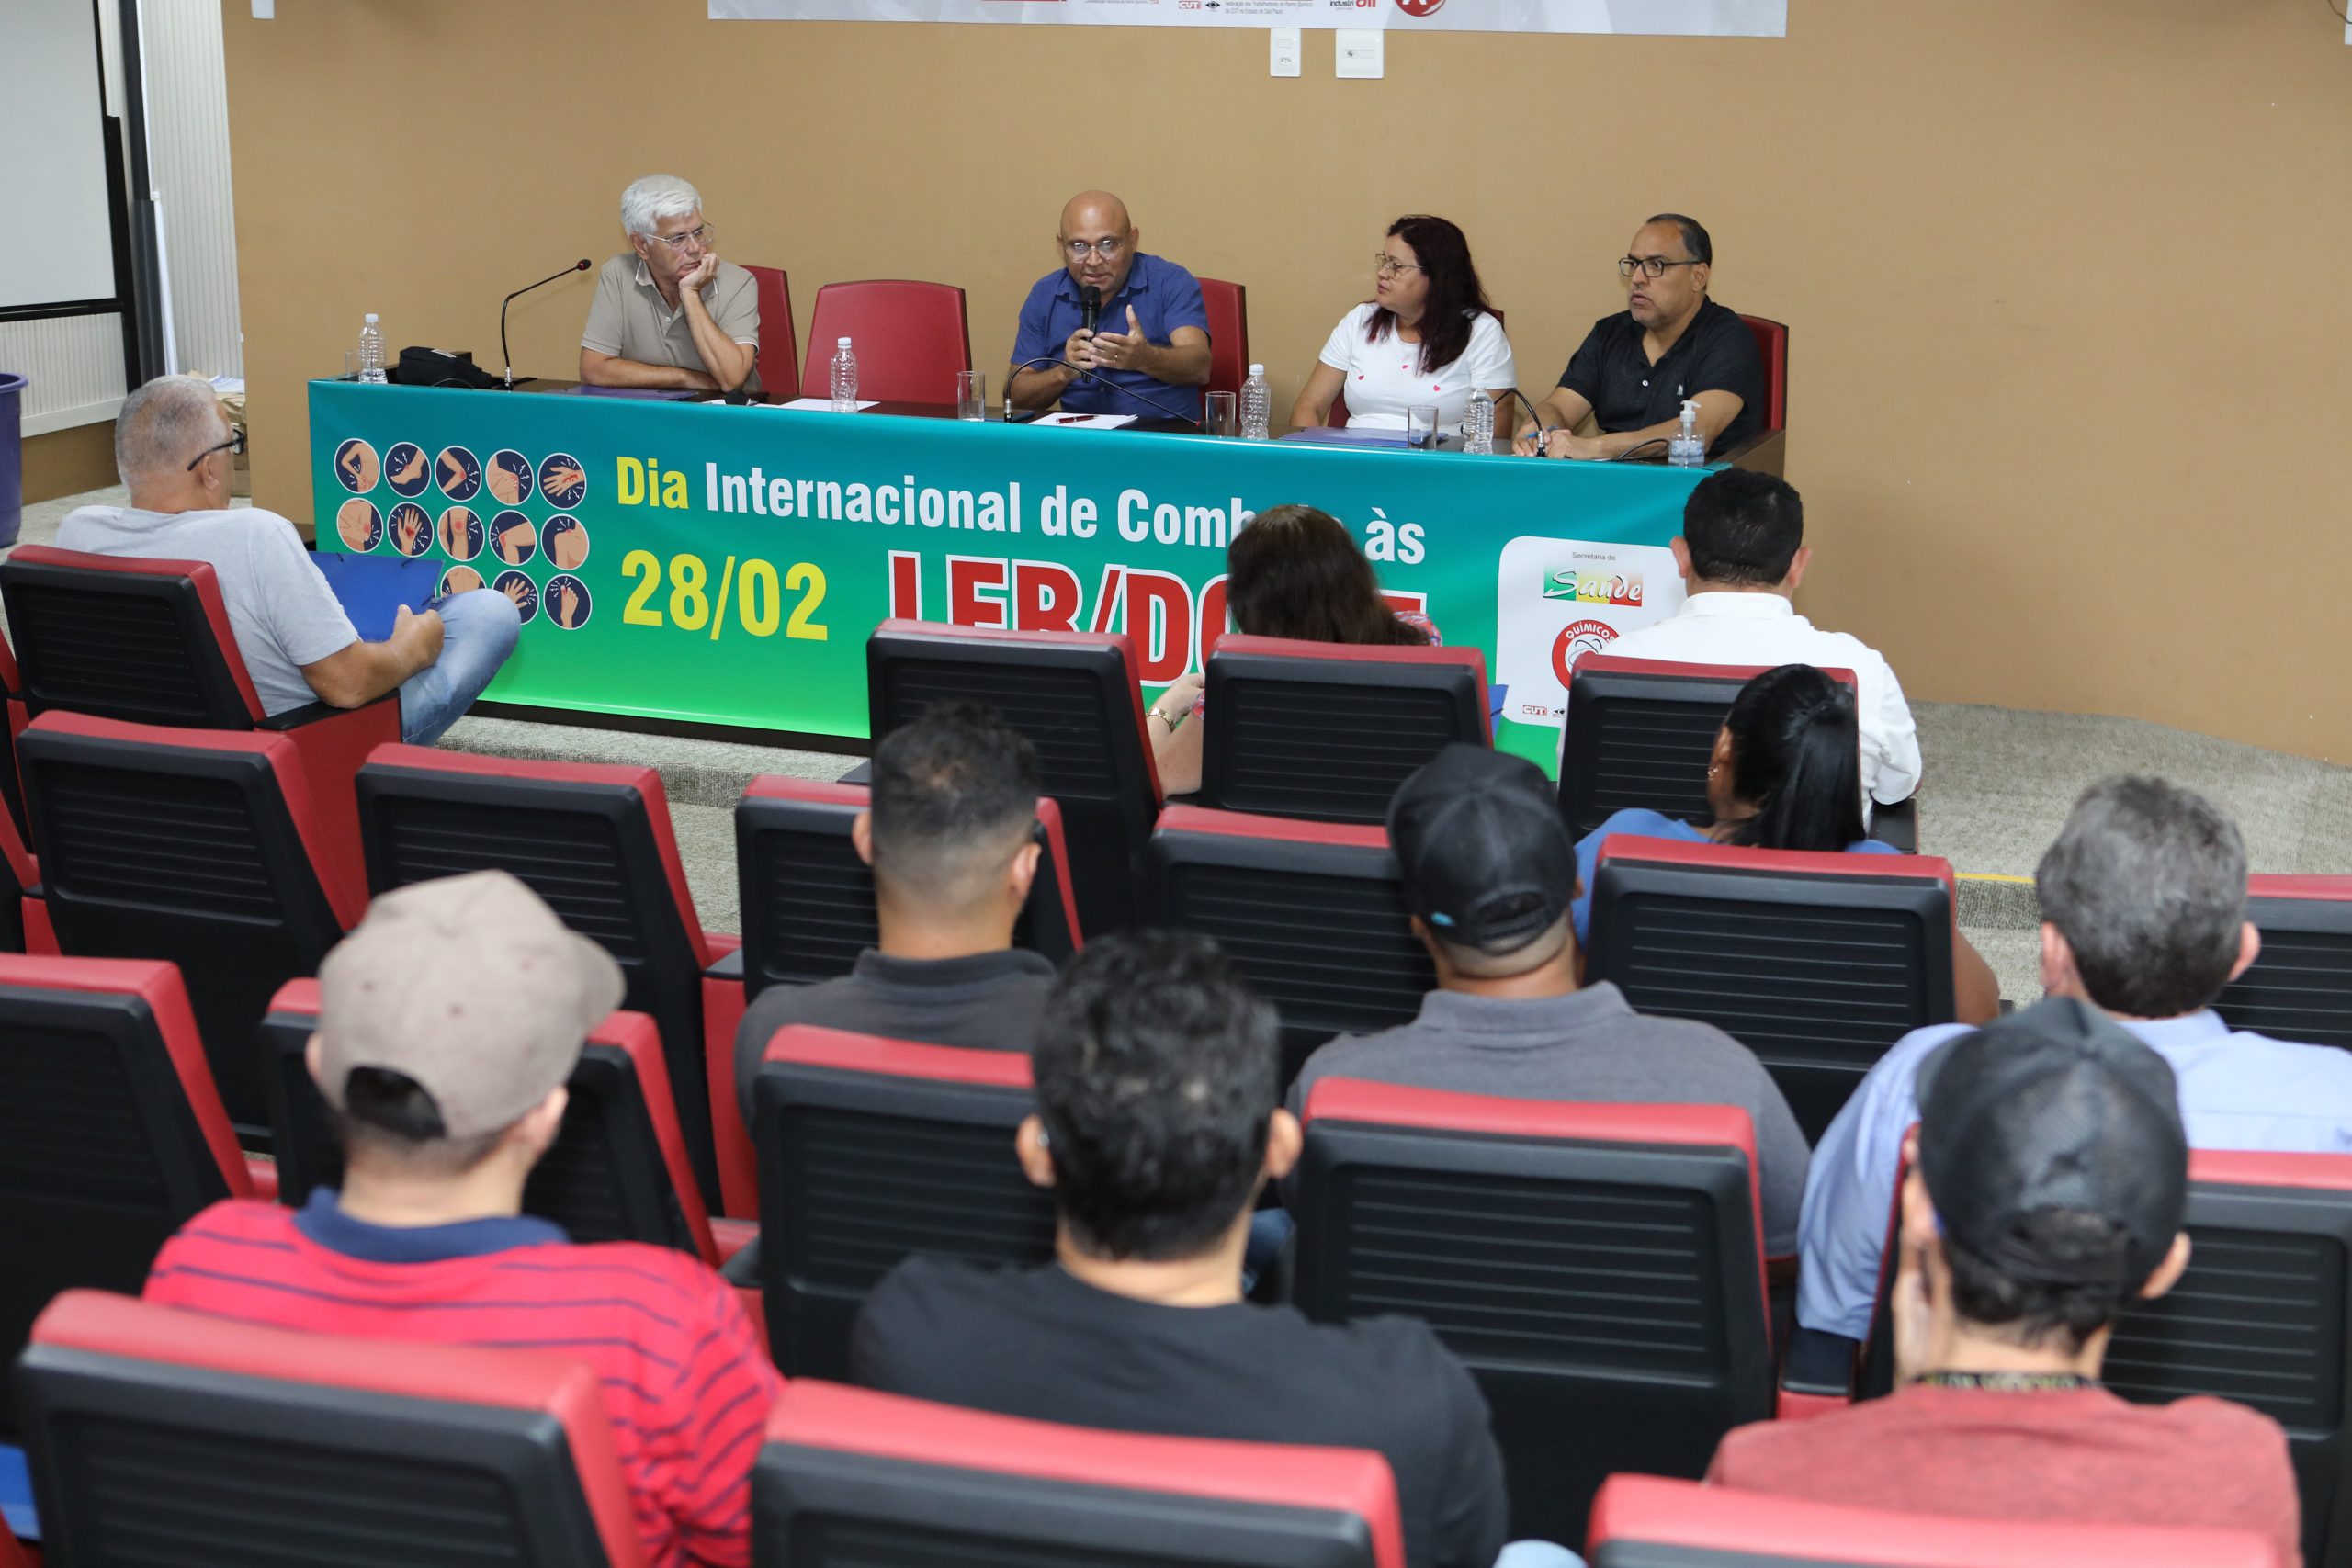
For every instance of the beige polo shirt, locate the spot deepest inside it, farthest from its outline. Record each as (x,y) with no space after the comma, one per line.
(629,318)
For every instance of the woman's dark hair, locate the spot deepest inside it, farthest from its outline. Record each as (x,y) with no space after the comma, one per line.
(1455,296)
(1796,757)
(1294,572)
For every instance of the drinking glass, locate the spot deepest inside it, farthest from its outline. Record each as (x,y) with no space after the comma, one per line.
(971,394)
(1421,425)
(1221,414)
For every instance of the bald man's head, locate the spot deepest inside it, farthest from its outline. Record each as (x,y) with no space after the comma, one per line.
(1098,241)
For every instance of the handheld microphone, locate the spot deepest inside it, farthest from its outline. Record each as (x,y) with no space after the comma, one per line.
(1191,420)
(1090,308)
(583,265)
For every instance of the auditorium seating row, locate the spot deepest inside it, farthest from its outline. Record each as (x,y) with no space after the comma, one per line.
(210,848)
(476,1456)
(1597,1267)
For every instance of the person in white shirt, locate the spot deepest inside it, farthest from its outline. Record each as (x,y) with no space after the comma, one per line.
(1742,554)
(1427,336)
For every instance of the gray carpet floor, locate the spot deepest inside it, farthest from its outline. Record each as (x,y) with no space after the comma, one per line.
(1997,785)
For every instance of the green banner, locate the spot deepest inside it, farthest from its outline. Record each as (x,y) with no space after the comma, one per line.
(724,565)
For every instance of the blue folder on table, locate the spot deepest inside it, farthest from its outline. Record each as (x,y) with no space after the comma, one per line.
(373,588)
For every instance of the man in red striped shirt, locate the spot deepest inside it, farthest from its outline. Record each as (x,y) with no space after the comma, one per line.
(449,1022)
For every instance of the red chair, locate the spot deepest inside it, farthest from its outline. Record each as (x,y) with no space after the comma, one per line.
(114,1135)
(850,1477)
(149,642)
(1313,913)
(24,919)
(1772,344)
(11,1554)
(1228,306)
(205,847)
(235,1443)
(1327,730)
(1641,733)
(1339,414)
(1815,962)
(911,339)
(870,1150)
(594,841)
(616,1171)
(1077,695)
(808,910)
(2299,987)
(1652,1522)
(779,360)
(1600,1269)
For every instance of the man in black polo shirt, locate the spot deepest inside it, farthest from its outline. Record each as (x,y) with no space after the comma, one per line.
(1670,343)
(950,836)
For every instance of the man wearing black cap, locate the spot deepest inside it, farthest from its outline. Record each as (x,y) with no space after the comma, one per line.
(1489,873)
(2048,1179)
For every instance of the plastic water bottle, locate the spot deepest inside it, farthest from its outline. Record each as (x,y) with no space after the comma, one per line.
(1685,450)
(844,378)
(371,350)
(1478,428)
(1257,405)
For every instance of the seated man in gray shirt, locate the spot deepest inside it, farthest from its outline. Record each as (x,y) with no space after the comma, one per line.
(1489,873)
(667,312)
(172,446)
(950,837)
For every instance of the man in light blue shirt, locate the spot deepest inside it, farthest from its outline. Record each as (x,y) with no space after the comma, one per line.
(2143,916)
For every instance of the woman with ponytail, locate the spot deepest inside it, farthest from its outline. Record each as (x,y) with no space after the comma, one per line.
(1786,775)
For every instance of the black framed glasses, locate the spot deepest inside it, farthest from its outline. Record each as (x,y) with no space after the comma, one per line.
(1651,266)
(235,446)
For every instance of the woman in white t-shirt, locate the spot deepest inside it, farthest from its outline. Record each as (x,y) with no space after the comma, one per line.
(1426,336)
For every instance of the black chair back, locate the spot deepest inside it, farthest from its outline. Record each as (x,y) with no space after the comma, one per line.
(2299,987)
(1598,1267)
(1817,962)
(871,1150)
(1326,731)
(1314,914)
(1075,696)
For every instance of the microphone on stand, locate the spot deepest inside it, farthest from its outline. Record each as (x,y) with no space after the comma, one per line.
(583,265)
(1090,308)
(1192,420)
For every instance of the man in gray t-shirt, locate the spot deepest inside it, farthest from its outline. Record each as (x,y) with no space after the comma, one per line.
(667,312)
(1488,873)
(172,446)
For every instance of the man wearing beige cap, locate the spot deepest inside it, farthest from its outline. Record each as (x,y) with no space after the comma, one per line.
(449,1022)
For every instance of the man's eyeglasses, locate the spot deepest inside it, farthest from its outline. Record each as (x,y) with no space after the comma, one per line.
(234,447)
(701,234)
(1079,250)
(1390,266)
(1652,266)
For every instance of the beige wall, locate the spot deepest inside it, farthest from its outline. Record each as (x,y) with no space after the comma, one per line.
(2071,357)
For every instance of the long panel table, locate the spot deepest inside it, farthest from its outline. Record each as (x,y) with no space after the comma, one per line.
(722,565)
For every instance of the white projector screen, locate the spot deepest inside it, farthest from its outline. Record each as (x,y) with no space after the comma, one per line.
(53,173)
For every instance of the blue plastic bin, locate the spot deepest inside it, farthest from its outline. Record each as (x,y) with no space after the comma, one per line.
(12,456)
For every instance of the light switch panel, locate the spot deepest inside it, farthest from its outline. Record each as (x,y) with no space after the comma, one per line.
(1359,54)
(1283,55)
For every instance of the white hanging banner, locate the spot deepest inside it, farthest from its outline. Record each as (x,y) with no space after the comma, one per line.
(1719,18)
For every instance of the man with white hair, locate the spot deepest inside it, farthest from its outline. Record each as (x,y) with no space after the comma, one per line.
(174,448)
(667,312)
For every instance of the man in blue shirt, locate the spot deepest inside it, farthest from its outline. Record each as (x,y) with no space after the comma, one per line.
(2143,916)
(1150,354)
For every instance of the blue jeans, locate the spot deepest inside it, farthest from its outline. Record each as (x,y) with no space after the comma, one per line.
(478,629)
(1537,1554)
